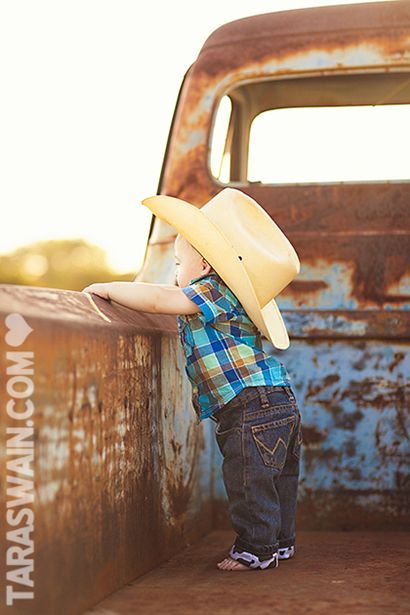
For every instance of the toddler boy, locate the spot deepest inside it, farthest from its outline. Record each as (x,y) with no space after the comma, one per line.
(245,390)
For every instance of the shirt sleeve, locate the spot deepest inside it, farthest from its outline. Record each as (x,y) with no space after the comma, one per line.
(215,306)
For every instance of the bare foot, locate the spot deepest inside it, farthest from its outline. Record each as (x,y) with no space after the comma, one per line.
(231,564)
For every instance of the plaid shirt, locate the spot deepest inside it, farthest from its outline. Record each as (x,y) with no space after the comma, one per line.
(223,347)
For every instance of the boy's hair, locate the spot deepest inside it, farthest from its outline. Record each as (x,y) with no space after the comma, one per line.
(179,236)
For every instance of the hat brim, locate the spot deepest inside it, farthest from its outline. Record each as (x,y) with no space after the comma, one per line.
(214,246)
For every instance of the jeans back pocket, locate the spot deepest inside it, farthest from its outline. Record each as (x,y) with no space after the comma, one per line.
(272,440)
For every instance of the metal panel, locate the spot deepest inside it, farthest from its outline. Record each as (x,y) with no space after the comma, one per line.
(120,481)
(348,310)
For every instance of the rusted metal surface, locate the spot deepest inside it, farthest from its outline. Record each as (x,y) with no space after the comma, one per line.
(332,572)
(120,481)
(347,312)
(356,400)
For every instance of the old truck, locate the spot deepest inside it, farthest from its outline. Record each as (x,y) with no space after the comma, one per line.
(123,476)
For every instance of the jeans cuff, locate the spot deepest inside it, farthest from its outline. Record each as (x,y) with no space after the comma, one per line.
(286,543)
(246,546)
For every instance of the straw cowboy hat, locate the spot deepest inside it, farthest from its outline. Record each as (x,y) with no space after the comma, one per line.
(245,247)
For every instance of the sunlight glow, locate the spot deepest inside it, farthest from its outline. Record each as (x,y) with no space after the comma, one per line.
(329,144)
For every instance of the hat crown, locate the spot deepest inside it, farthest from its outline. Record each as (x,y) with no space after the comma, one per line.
(244,246)
(261,246)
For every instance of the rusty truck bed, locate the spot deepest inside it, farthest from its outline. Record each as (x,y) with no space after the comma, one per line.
(343,573)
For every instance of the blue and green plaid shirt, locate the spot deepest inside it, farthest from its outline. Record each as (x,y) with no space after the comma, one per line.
(223,347)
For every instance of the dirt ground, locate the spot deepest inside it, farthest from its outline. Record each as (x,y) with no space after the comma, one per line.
(332,572)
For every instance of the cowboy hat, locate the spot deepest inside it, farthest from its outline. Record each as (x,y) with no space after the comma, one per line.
(244,246)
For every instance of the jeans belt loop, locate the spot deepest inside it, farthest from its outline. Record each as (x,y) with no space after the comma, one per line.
(263,397)
(289,392)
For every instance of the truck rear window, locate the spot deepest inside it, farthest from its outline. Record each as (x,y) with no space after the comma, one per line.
(330,144)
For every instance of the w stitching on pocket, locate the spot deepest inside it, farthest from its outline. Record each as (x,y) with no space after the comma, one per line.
(274,456)
(278,441)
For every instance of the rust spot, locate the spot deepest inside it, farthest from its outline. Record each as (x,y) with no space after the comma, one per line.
(307,286)
(361,363)
(176,446)
(376,392)
(312,436)
(402,480)
(314,389)
(181,489)
(350,447)
(354,474)
(398,357)
(345,420)
(401,418)
(326,456)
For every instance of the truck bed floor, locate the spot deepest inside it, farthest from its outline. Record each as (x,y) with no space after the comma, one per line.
(332,572)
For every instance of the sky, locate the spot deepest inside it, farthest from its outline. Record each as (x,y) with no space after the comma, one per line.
(88,92)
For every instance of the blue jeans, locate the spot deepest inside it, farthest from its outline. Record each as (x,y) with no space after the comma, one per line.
(259,435)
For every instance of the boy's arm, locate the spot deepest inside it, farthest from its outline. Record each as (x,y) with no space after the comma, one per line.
(146,297)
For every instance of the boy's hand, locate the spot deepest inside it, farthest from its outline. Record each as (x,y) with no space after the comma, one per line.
(100,289)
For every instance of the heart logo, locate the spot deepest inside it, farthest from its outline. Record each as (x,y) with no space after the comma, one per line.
(19,329)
